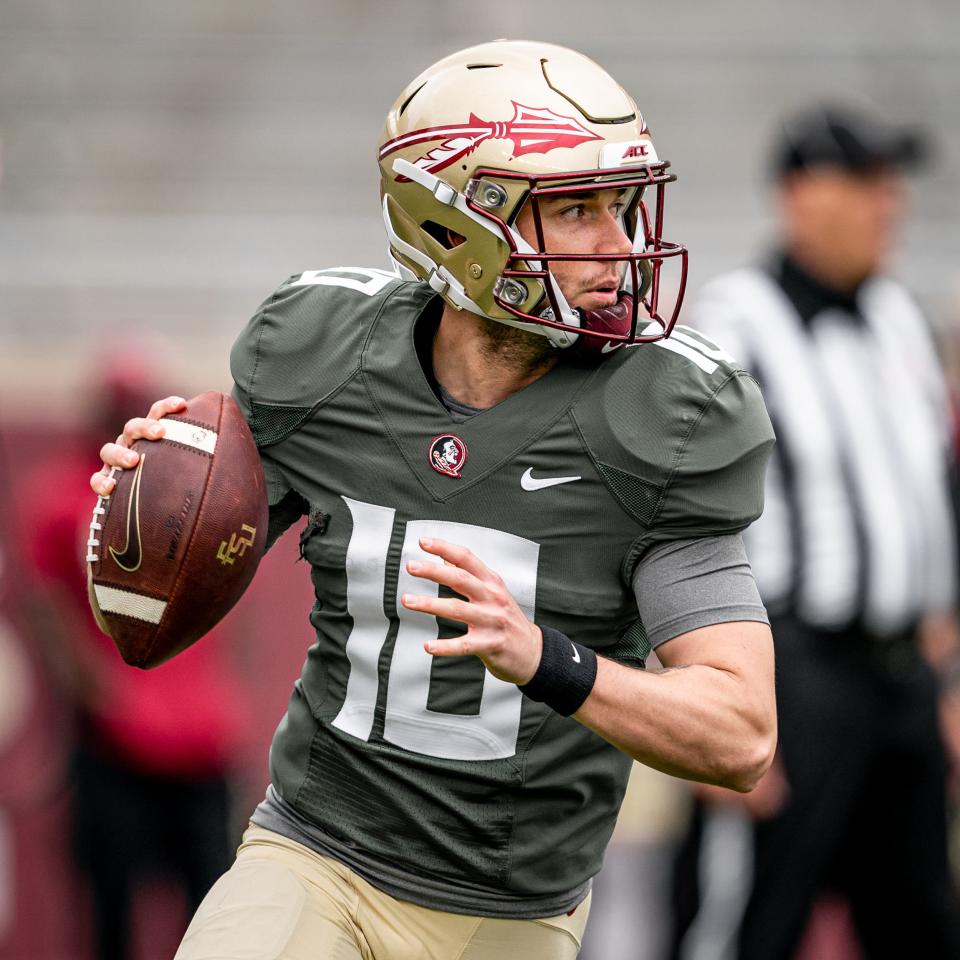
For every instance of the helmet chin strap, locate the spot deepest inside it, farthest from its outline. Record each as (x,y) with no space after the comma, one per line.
(569,315)
(441,280)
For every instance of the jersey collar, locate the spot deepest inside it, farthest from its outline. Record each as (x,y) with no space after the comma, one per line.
(413,414)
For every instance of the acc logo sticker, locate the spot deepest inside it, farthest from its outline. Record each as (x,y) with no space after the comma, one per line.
(629,153)
(448,453)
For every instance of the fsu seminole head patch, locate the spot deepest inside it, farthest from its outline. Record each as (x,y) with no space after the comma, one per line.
(448,453)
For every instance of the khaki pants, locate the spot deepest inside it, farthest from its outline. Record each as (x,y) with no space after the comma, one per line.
(282,901)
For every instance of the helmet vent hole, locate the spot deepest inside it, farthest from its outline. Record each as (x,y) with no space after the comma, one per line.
(483,66)
(406,103)
(447,238)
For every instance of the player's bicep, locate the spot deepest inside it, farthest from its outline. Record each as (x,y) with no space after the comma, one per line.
(683,585)
(700,606)
(742,648)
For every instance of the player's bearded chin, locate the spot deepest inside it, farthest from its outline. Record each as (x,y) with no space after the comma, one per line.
(532,351)
(529,351)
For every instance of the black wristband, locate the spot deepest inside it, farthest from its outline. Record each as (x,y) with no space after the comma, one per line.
(566,673)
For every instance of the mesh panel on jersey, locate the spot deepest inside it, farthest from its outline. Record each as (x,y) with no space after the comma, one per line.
(633,647)
(400,807)
(637,496)
(271,424)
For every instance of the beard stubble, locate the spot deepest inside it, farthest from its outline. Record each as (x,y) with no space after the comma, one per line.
(527,352)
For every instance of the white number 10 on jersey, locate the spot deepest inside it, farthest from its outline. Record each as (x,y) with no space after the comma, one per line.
(490,735)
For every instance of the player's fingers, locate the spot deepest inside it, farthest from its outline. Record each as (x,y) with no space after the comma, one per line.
(448,607)
(450,576)
(454,647)
(117,455)
(168,405)
(457,555)
(142,428)
(103,482)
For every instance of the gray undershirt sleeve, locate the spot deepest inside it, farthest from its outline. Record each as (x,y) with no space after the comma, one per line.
(686,584)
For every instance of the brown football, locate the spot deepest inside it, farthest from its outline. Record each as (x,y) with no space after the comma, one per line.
(174,546)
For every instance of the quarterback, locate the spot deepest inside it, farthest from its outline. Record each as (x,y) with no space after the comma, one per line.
(518,478)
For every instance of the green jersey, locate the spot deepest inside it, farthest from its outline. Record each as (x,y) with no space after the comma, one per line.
(431,777)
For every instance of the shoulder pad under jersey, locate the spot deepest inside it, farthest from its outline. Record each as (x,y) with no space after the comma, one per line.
(305,341)
(680,434)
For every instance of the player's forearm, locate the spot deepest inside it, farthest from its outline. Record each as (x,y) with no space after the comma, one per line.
(697,722)
(711,718)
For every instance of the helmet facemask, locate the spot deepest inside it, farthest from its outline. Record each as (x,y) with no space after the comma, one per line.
(637,317)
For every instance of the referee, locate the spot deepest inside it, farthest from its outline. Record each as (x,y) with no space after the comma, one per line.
(855,557)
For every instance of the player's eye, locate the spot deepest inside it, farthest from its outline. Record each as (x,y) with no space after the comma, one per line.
(573,212)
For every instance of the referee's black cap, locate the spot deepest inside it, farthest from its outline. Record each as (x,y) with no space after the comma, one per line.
(847,137)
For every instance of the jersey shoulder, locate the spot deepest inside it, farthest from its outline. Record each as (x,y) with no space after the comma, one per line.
(305,341)
(642,402)
(670,425)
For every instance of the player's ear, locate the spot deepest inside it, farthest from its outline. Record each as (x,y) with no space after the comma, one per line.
(454,239)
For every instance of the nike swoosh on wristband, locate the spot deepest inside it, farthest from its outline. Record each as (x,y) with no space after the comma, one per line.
(576,654)
(529,482)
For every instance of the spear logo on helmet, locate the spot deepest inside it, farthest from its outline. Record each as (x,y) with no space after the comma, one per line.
(532,130)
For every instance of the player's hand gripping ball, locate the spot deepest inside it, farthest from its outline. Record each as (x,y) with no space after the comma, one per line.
(174,546)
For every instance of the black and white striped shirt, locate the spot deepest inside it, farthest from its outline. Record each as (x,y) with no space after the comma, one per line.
(858,525)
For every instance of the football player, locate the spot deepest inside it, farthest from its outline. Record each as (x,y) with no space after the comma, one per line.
(543,484)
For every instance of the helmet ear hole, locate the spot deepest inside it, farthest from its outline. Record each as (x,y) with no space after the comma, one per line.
(447,238)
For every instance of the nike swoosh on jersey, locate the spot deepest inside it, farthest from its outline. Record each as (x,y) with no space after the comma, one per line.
(610,346)
(529,482)
(130,558)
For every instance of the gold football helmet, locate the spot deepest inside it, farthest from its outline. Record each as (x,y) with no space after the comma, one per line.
(488,129)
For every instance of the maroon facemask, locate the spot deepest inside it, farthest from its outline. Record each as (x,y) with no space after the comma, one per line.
(616,320)
(633,318)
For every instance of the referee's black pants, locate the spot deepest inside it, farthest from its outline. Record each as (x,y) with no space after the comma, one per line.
(128,823)
(860,743)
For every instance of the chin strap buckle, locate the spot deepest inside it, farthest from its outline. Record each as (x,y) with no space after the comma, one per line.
(437,282)
(444,193)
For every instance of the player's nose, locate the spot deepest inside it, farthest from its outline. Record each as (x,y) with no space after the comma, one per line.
(614,238)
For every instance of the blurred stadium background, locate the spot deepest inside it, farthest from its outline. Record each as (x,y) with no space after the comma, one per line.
(165,166)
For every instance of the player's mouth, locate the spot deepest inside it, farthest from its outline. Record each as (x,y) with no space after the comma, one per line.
(600,295)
